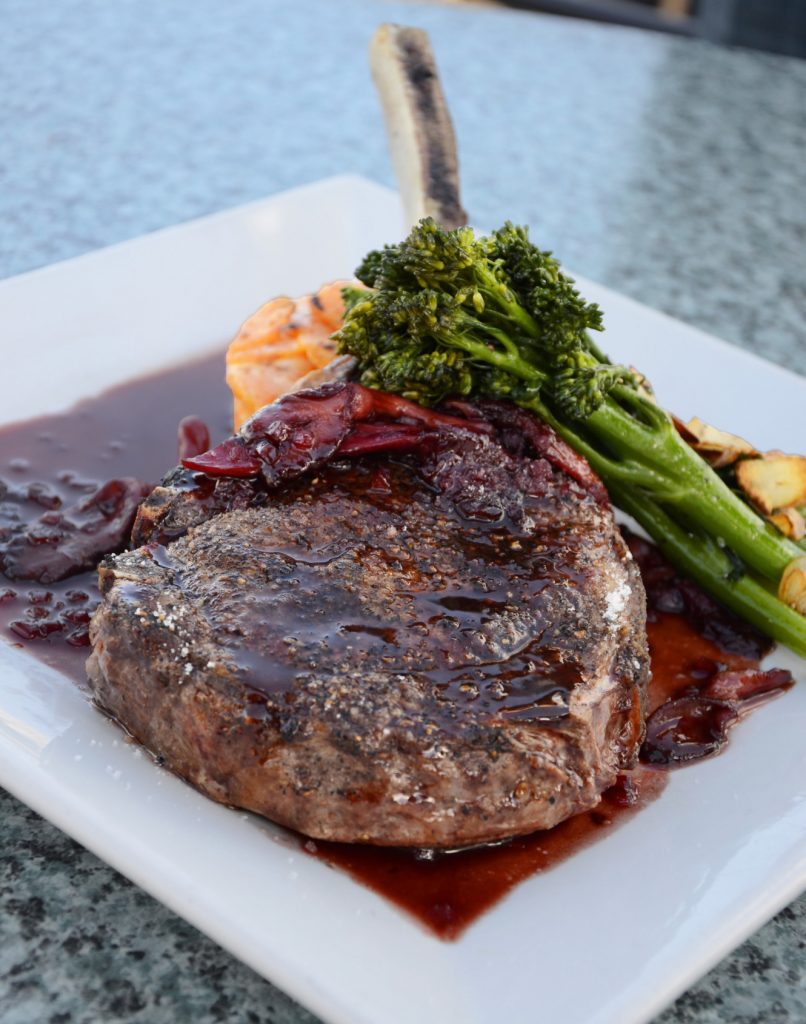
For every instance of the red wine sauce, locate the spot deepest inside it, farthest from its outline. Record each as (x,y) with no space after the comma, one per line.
(131,431)
(448,891)
(53,461)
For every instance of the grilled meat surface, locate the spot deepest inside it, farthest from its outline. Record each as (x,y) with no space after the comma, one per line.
(429,649)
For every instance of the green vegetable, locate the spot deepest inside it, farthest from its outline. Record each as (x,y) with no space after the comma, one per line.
(452,313)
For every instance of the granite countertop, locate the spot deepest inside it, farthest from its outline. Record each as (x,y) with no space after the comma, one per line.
(665,168)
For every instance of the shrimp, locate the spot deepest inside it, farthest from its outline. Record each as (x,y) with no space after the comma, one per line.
(281,343)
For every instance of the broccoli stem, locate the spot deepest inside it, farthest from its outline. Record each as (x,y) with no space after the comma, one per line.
(500,297)
(707,564)
(707,502)
(648,469)
(692,487)
(639,447)
(479,347)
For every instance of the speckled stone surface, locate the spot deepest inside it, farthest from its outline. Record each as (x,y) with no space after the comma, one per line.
(667,169)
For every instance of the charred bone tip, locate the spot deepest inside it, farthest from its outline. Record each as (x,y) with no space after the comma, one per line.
(418,124)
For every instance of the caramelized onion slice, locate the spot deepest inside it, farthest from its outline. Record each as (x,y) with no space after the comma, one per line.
(696,725)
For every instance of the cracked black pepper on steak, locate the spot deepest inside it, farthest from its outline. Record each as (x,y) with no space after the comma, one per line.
(431,648)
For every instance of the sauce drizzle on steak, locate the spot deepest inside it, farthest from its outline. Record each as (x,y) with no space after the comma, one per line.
(431,649)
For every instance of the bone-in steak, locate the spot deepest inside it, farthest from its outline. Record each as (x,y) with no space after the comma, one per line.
(436,647)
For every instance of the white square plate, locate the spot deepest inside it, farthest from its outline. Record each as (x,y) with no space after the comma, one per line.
(607,937)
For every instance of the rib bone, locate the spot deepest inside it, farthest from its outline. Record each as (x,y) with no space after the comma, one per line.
(421,137)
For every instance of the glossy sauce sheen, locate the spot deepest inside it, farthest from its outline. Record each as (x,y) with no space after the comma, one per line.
(132,431)
(678,653)
(448,891)
(430,624)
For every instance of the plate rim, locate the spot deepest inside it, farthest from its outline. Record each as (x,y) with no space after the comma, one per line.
(284,975)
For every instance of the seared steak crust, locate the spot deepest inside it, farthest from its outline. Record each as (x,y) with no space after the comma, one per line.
(439,650)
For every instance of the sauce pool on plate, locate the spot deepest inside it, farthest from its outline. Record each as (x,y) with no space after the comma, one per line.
(50,463)
(448,891)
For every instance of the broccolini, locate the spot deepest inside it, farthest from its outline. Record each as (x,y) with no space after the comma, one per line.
(452,313)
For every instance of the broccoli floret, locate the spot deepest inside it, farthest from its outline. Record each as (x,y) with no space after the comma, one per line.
(477,298)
